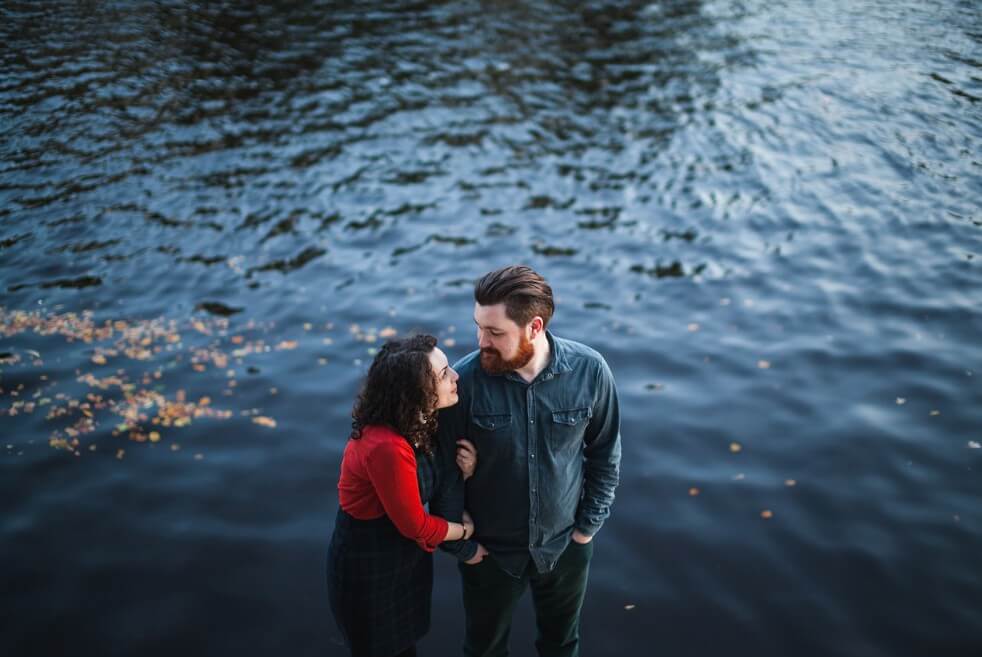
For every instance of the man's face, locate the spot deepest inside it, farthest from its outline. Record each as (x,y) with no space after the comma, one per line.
(505,346)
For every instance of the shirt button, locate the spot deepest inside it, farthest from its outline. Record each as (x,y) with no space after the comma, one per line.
(531,421)
(532,456)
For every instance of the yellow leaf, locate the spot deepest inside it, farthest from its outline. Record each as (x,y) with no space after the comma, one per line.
(204,401)
(387,332)
(735,447)
(766,514)
(154,437)
(693,491)
(287,344)
(99,359)
(265,421)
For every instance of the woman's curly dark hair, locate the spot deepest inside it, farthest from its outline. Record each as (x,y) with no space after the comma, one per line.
(400,392)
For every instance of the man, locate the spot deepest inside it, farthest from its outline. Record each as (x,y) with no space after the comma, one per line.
(542,412)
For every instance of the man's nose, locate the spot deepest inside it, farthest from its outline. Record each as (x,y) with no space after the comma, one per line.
(482,340)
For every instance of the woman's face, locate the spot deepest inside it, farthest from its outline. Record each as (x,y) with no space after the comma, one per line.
(446,379)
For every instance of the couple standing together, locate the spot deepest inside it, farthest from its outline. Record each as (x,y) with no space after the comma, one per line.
(516,449)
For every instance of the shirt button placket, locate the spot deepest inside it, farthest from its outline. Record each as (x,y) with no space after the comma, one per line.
(533,471)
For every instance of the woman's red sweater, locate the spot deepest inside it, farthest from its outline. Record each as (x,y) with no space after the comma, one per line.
(378,477)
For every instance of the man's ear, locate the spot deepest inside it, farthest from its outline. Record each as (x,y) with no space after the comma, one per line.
(536,326)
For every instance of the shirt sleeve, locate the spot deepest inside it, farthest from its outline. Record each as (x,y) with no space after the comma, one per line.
(392,470)
(602,456)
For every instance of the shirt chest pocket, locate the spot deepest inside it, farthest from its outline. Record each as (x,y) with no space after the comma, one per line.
(491,422)
(568,427)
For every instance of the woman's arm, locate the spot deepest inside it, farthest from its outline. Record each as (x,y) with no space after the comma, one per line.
(392,470)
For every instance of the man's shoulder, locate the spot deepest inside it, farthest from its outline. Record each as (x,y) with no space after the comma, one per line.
(579,354)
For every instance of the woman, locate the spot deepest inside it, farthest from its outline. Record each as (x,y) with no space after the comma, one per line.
(380,563)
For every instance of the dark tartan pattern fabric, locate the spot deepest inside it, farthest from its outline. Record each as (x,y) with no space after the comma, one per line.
(379,582)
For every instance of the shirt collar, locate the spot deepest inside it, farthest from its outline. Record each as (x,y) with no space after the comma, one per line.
(558,361)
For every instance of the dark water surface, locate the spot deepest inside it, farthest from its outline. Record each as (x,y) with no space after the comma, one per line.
(766,215)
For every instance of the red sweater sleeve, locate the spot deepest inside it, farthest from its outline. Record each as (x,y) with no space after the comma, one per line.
(392,470)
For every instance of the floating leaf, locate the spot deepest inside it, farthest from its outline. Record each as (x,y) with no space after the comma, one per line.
(287,344)
(265,421)
(934,413)
(736,447)
(764,364)
(693,491)
(901,401)
(693,327)
(99,359)
(974,444)
(387,332)
(154,437)
(449,343)
(766,514)
(790,482)
(120,453)
(629,607)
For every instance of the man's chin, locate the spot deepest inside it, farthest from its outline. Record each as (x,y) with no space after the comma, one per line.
(492,365)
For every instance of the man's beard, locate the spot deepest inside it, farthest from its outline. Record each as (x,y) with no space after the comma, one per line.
(493,363)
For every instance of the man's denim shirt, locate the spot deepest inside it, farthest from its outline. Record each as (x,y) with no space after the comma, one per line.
(548,456)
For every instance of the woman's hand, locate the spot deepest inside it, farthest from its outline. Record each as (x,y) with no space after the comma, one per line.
(466,457)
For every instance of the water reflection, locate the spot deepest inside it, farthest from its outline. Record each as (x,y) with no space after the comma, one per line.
(765,215)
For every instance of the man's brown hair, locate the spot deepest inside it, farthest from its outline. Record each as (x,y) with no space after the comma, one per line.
(524,293)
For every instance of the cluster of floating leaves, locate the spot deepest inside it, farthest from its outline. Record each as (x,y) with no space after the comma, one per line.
(137,407)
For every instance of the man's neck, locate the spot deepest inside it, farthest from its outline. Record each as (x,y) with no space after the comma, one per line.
(539,360)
